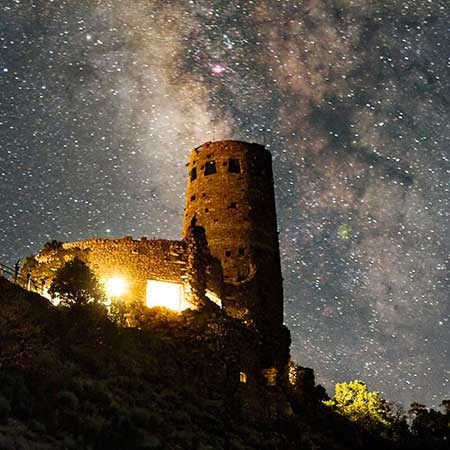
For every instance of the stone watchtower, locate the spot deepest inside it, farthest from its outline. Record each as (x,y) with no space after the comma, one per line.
(230,194)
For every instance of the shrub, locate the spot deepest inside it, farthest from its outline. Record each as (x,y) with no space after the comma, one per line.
(68,400)
(76,284)
(353,401)
(5,408)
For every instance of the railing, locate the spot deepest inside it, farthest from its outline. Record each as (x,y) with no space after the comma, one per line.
(13,274)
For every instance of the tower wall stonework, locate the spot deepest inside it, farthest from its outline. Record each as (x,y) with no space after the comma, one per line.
(136,261)
(230,194)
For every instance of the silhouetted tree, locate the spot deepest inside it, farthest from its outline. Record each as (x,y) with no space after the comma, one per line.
(76,284)
(429,425)
(446,407)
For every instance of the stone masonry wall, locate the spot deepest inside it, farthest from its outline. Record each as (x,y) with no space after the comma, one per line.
(135,261)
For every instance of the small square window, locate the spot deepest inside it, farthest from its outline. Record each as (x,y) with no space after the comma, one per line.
(234,166)
(227,252)
(193,174)
(232,205)
(192,198)
(210,168)
(241,252)
(206,209)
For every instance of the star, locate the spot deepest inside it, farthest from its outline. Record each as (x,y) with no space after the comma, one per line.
(218,69)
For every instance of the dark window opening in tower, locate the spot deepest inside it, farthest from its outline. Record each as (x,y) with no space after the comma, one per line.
(210,168)
(206,209)
(192,198)
(227,252)
(232,205)
(234,166)
(193,174)
(241,251)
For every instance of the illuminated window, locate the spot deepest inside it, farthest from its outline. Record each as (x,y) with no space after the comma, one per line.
(242,377)
(234,166)
(163,293)
(210,168)
(193,174)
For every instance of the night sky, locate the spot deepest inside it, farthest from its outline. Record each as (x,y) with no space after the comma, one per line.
(102,101)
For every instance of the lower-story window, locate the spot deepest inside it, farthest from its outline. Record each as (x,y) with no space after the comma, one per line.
(167,294)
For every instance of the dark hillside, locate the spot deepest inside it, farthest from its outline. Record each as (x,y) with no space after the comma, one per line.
(72,379)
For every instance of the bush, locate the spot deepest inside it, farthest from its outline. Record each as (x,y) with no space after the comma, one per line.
(150,443)
(76,284)
(68,400)
(5,409)
(353,401)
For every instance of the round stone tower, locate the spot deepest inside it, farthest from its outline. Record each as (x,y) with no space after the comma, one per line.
(230,194)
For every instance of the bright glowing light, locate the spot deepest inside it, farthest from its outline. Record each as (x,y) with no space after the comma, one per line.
(162,293)
(115,286)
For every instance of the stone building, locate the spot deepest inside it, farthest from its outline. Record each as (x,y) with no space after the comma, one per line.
(228,254)
(230,194)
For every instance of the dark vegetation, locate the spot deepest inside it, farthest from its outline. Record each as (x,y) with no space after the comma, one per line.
(72,378)
(76,284)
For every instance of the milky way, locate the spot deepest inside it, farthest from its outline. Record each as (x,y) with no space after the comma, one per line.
(101,102)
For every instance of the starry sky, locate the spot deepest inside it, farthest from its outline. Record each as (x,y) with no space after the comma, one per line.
(101,102)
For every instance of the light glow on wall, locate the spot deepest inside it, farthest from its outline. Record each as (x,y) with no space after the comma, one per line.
(214,298)
(163,293)
(115,287)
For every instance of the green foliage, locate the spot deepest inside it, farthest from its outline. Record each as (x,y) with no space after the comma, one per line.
(353,401)
(76,284)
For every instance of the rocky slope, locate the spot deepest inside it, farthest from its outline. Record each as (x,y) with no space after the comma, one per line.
(70,378)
